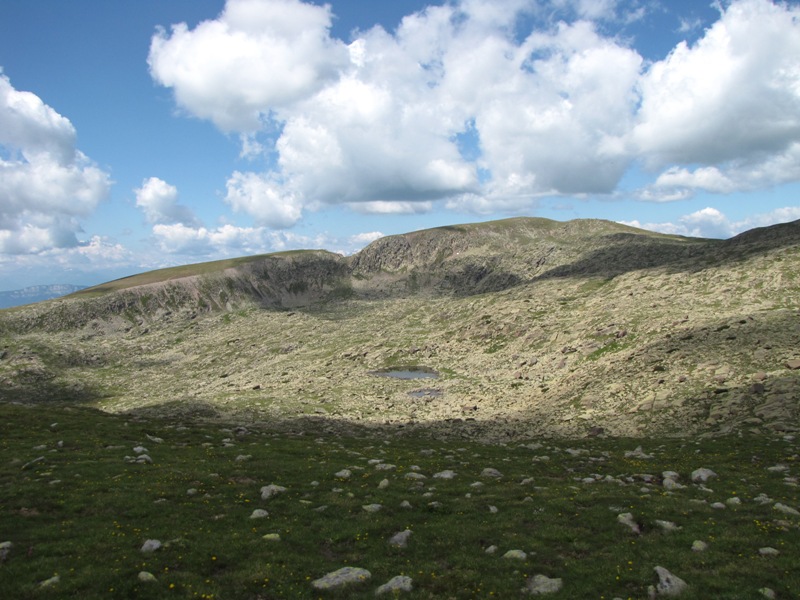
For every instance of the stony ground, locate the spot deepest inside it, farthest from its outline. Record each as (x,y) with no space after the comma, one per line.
(95,506)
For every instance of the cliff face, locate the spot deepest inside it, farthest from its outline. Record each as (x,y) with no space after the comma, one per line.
(273,282)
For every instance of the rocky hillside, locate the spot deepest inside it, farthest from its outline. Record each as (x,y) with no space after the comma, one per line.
(535,327)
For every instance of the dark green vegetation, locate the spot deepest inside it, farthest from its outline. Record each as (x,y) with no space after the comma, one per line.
(82,513)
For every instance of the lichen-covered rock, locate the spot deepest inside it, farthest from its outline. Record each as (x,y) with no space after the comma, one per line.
(340,578)
(400,583)
(541,584)
(669,584)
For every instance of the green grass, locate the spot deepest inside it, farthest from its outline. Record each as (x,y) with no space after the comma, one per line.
(83,513)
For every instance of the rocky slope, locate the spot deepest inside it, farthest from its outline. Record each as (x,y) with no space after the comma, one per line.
(536,328)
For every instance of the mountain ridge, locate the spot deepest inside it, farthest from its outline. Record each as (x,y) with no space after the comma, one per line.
(535,328)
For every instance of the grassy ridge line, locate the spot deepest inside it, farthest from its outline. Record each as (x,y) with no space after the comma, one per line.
(179,272)
(82,513)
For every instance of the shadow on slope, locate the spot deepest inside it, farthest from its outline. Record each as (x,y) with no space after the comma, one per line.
(625,252)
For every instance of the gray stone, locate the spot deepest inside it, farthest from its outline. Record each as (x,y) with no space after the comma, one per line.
(415,476)
(787,510)
(448,474)
(667,525)
(146,577)
(768,593)
(515,555)
(669,584)
(541,584)
(50,582)
(268,491)
(400,583)
(767,551)
(272,537)
(151,546)
(383,484)
(372,508)
(699,546)
(342,577)
(490,472)
(259,513)
(5,550)
(400,539)
(343,474)
(628,520)
(702,475)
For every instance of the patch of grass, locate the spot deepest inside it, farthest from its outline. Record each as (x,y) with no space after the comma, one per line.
(82,512)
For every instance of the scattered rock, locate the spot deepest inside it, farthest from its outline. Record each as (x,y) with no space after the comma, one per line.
(491,549)
(400,583)
(340,578)
(768,551)
(150,546)
(637,453)
(259,513)
(787,510)
(444,475)
(541,584)
(50,582)
(415,476)
(372,508)
(702,475)
(400,539)
(146,577)
(383,484)
(768,593)
(268,491)
(490,472)
(667,525)
(343,474)
(793,364)
(699,546)
(627,519)
(669,584)
(5,550)
(272,537)
(515,555)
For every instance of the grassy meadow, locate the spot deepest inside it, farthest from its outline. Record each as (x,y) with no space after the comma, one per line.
(77,512)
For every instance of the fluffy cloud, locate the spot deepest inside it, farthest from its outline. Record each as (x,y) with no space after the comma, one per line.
(159,201)
(730,102)
(713,223)
(45,182)
(231,240)
(258,55)
(487,105)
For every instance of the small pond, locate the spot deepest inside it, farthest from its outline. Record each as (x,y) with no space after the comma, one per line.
(406,373)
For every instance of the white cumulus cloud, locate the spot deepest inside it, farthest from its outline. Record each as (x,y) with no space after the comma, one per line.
(46,183)
(485,105)
(257,55)
(712,223)
(159,201)
(730,102)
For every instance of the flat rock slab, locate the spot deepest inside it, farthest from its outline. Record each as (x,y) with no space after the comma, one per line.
(342,577)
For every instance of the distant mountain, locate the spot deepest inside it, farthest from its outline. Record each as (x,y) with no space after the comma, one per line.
(535,328)
(36,293)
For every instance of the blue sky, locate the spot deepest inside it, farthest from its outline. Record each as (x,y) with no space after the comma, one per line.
(138,135)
